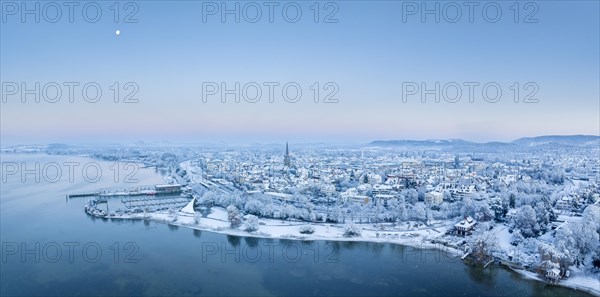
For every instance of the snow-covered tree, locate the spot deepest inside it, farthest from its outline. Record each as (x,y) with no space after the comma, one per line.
(483,211)
(586,233)
(254,206)
(565,242)
(591,216)
(468,208)
(351,230)
(516,238)
(411,196)
(401,212)
(450,210)
(307,230)
(483,244)
(354,211)
(525,221)
(250,223)
(288,212)
(337,214)
(527,252)
(234,216)
(551,258)
(419,212)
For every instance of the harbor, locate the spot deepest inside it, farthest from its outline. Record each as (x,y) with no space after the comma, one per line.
(168,189)
(111,202)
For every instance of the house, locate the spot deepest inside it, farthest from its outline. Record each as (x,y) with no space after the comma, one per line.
(383,198)
(511,214)
(463,191)
(357,198)
(434,198)
(564,203)
(465,226)
(392,179)
(382,189)
(553,275)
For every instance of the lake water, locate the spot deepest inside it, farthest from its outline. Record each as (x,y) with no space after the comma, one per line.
(51,247)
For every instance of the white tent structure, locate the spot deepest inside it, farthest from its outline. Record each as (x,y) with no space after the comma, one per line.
(189,208)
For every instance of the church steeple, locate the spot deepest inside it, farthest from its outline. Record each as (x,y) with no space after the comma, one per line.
(286,158)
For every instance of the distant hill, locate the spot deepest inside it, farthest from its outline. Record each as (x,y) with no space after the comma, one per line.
(57,146)
(521,142)
(431,142)
(557,139)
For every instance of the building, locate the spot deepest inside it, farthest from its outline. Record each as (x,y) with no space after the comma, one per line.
(279,196)
(352,195)
(434,198)
(462,191)
(382,189)
(286,158)
(564,203)
(465,226)
(383,198)
(358,199)
(168,189)
(553,275)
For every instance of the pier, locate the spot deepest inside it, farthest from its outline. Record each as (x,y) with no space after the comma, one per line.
(146,190)
(83,195)
(135,200)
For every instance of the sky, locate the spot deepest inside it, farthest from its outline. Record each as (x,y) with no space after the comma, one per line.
(365,56)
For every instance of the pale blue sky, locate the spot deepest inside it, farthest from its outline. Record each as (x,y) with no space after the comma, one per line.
(170,52)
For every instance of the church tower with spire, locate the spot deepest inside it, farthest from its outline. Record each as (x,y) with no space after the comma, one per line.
(286,157)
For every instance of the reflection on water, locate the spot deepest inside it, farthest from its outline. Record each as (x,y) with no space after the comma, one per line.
(171,261)
(251,241)
(197,233)
(233,240)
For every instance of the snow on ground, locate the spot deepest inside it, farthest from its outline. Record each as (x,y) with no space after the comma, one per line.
(582,282)
(569,218)
(218,213)
(409,234)
(578,280)
(586,283)
(503,237)
(216,221)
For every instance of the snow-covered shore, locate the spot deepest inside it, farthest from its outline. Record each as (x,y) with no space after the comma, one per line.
(585,283)
(421,238)
(278,229)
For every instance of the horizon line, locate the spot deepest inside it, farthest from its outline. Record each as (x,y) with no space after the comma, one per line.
(272,142)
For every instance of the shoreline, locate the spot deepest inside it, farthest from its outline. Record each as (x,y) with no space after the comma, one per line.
(413,242)
(564,283)
(163,218)
(418,242)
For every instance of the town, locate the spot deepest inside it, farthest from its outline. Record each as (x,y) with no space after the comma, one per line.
(532,205)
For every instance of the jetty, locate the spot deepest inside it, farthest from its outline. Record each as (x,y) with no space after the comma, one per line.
(148,190)
(83,195)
